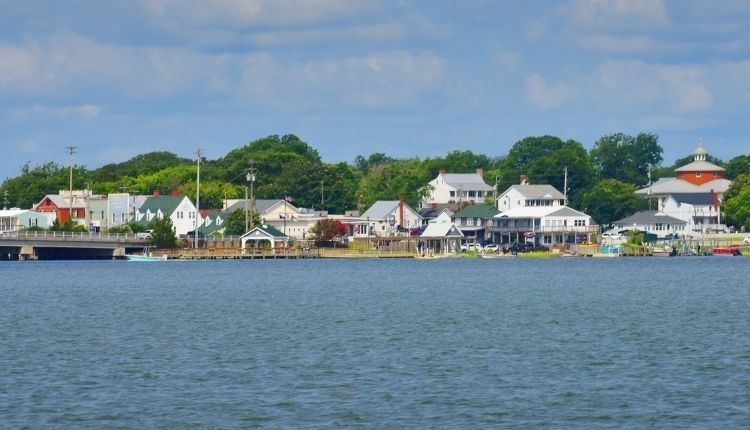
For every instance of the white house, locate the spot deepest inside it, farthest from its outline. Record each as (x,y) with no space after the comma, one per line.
(524,195)
(440,238)
(653,222)
(699,211)
(448,188)
(15,219)
(387,217)
(179,209)
(542,225)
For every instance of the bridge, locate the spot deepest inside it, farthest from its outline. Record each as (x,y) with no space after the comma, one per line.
(58,245)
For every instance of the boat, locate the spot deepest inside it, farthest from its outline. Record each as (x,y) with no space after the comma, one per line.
(491,256)
(145,256)
(732,250)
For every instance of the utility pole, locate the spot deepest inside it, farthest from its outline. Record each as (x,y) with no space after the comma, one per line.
(5,200)
(321,195)
(494,195)
(649,186)
(249,180)
(71,151)
(565,188)
(199,152)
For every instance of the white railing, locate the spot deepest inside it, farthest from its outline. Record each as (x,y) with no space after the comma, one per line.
(16,234)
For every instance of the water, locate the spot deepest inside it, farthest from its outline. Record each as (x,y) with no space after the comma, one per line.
(319,344)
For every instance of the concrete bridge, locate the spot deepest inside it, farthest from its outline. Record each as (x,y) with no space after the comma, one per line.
(58,245)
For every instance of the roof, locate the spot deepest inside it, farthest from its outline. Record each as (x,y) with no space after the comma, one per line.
(705,199)
(382,208)
(477,211)
(167,204)
(673,186)
(441,230)
(537,191)
(648,217)
(430,213)
(63,202)
(266,230)
(539,212)
(468,181)
(700,166)
(261,205)
(566,211)
(11,213)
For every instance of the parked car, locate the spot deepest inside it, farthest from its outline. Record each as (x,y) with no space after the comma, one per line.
(746,240)
(490,248)
(476,247)
(144,234)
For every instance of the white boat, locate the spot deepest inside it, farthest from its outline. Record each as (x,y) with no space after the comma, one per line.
(145,256)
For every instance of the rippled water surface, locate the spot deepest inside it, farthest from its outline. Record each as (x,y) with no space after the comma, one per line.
(575,343)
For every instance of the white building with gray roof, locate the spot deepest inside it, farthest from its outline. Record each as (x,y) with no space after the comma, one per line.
(456,188)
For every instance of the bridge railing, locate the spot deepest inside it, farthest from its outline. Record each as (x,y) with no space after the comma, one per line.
(54,235)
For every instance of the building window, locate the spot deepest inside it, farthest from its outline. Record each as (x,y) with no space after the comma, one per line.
(697,174)
(580,223)
(470,222)
(472,193)
(480,193)
(452,194)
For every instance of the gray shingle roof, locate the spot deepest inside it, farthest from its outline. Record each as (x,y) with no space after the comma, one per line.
(537,191)
(468,181)
(261,205)
(381,209)
(700,166)
(648,217)
(693,198)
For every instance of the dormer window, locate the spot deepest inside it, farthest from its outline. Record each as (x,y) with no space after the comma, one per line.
(697,174)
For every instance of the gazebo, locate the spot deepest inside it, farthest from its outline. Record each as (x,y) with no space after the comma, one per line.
(441,237)
(265,233)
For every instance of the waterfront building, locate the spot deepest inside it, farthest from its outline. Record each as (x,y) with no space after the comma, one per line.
(437,214)
(179,209)
(475,222)
(543,226)
(15,219)
(657,223)
(388,217)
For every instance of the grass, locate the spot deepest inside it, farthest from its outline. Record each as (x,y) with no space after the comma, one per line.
(538,254)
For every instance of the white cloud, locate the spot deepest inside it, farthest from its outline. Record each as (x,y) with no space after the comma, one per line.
(543,95)
(74,67)
(29,146)
(691,94)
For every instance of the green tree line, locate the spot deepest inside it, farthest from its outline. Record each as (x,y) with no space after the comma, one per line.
(600,181)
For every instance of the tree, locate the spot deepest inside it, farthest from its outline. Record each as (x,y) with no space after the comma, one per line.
(627,158)
(235,222)
(328,229)
(403,178)
(68,225)
(739,165)
(737,203)
(610,200)
(162,234)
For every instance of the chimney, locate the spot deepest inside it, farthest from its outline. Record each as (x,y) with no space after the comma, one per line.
(174,193)
(523,180)
(480,172)
(442,171)
(157,192)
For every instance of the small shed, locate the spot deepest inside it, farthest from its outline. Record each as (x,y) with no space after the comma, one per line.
(440,237)
(256,235)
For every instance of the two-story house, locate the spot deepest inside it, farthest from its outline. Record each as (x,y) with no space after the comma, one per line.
(527,195)
(475,222)
(179,209)
(388,217)
(456,188)
(543,226)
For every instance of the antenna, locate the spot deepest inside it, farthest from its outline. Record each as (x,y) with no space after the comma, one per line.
(71,151)
(199,153)
(565,188)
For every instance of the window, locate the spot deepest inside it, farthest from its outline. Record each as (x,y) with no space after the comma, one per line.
(579,223)
(480,193)
(472,193)
(697,174)
(470,222)
(452,194)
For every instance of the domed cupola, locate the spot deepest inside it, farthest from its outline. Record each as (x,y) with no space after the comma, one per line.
(700,153)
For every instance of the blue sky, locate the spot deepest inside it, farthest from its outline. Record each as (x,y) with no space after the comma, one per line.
(120,78)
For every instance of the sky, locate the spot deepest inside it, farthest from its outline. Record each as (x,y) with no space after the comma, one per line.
(406,78)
